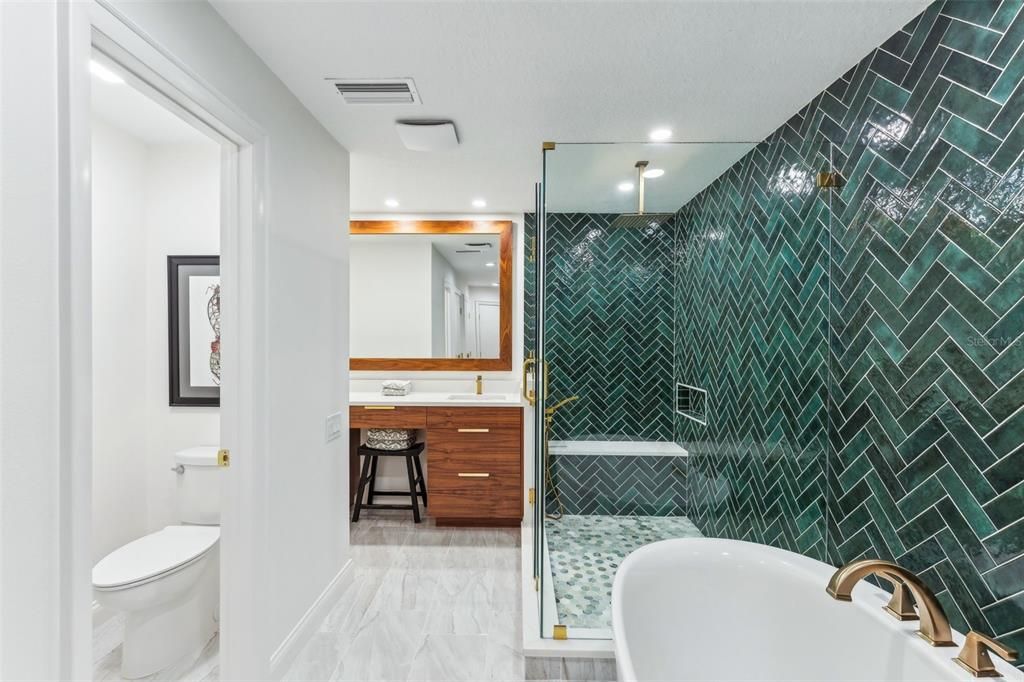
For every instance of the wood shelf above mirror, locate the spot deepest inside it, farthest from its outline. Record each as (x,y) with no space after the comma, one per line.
(431,295)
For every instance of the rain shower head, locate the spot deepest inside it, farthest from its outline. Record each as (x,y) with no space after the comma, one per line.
(640,219)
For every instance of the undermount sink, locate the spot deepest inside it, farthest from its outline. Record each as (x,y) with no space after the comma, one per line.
(474,396)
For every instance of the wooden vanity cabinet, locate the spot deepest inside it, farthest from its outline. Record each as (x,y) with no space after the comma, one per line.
(475,465)
(474,459)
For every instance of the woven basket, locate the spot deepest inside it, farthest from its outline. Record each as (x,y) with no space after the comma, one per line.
(390,439)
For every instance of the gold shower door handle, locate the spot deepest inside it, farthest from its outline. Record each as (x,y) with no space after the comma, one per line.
(529,394)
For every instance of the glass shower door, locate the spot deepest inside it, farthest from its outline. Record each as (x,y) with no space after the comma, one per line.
(681,324)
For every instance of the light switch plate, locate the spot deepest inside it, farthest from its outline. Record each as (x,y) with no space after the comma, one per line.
(333,426)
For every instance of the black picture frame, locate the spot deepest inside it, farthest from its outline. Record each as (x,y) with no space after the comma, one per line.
(181,392)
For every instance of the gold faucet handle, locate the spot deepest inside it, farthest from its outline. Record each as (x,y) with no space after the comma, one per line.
(974,656)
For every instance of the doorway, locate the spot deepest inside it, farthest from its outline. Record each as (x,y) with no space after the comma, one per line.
(156,188)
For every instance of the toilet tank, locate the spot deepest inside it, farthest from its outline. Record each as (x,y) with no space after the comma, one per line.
(199,482)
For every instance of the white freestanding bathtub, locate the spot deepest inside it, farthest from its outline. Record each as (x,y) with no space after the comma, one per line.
(708,609)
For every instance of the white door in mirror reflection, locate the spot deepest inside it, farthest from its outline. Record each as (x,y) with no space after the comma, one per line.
(488,313)
(454,323)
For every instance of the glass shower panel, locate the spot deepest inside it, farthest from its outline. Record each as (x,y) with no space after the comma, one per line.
(682,303)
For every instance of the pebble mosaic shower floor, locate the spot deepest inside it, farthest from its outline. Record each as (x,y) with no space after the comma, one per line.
(585,552)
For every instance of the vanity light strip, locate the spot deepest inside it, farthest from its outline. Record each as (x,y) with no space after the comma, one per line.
(378,407)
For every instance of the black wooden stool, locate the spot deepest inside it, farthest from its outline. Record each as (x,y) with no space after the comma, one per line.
(368,477)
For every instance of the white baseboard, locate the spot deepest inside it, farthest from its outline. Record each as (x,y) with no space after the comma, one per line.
(283,658)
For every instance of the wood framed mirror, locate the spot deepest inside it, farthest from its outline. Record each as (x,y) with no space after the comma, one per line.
(431,295)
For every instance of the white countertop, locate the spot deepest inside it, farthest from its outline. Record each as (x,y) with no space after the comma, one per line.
(437,399)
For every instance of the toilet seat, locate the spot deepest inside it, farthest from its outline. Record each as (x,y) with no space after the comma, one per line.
(154,556)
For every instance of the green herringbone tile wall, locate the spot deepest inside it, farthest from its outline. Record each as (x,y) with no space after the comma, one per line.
(751,307)
(900,312)
(609,328)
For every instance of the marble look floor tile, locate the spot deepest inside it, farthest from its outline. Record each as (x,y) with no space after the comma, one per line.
(384,647)
(503,663)
(461,621)
(405,589)
(319,659)
(463,589)
(589,670)
(449,658)
(537,668)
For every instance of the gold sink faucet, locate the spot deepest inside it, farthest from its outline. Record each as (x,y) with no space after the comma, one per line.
(908,589)
(479,384)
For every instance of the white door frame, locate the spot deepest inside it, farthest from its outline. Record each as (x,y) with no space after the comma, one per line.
(244,646)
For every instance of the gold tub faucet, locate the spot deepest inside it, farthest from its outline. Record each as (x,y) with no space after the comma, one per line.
(974,656)
(908,590)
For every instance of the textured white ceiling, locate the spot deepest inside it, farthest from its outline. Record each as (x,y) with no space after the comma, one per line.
(513,74)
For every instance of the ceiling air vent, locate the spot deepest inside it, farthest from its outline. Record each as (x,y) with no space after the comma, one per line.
(377,90)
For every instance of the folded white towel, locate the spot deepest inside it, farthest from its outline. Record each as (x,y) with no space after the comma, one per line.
(398,384)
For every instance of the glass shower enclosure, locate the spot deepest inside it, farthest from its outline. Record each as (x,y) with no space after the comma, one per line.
(679,324)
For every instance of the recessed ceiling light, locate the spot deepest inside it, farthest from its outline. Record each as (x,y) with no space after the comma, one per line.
(625,186)
(391,203)
(660,134)
(654,173)
(490,265)
(103,73)
(479,203)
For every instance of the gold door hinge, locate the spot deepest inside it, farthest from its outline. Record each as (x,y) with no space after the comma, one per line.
(547,146)
(561,632)
(224,458)
(533,495)
(830,180)
(536,584)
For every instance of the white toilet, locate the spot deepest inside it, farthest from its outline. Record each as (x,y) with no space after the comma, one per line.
(168,582)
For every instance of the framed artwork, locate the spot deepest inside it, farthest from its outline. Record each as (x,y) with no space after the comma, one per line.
(193,329)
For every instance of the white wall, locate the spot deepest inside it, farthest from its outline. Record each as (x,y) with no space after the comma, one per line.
(390,299)
(119,164)
(149,201)
(182,218)
(301,339)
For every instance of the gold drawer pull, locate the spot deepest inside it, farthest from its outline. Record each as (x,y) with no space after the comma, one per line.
(474,430)
(378,407)
(474,475)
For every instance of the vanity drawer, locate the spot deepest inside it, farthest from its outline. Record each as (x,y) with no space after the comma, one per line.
(474,417)
(474,487)
(503,443)
(387,417)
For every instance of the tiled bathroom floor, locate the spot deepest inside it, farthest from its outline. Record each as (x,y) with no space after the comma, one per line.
(585,552)
(426,603)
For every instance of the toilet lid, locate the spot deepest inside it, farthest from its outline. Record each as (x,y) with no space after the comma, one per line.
(154,554)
